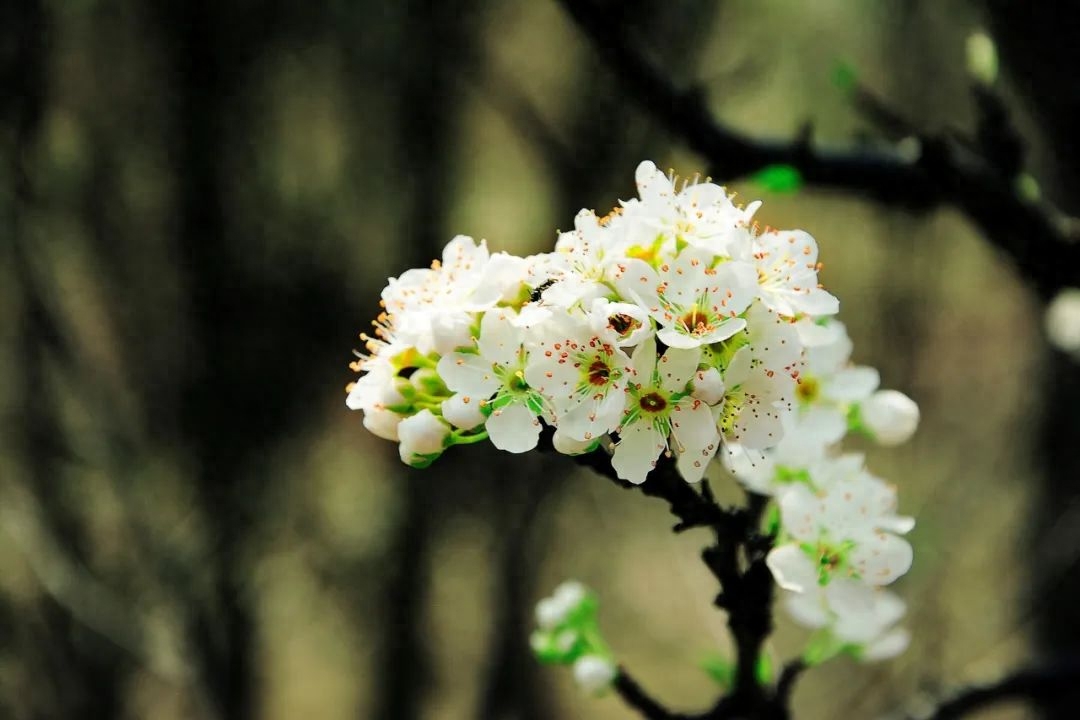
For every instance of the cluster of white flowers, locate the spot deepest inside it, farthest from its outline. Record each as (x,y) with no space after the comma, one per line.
(838,540)
(671,326)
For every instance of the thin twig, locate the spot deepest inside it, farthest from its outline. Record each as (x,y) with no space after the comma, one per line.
(943,173)
(636,697)
(1030,684)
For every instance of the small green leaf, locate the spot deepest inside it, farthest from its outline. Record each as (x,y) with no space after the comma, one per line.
(779,178)
(720,669)
(764,669)
(844,76)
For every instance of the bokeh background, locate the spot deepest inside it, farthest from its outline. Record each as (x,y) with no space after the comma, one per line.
(200,202)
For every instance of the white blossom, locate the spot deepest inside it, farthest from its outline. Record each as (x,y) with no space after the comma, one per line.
(594,674)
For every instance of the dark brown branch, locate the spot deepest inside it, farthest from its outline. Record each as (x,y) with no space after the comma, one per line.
(1031,684)
(944,173)
(636,697)
(736,559)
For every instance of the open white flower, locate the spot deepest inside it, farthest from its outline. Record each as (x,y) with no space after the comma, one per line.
(787,267)
(494,376)
(843,529)
(582,374)
(660,406)
(700,215)
(695,301)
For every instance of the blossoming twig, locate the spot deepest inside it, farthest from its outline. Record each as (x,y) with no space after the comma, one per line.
(945,171)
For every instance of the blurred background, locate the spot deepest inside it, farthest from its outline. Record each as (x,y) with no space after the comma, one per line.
(200,202)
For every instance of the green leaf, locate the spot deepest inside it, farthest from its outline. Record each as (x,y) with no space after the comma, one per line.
(764,669)
(720,669)
(779,178)
(844,76)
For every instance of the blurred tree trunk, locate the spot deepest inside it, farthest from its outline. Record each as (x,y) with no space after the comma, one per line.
(78,672)
(1038,48)
(427,108)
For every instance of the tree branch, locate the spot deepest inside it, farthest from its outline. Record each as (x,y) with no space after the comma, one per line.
(944,173)
(1029,684)
(736,559)
(636,697)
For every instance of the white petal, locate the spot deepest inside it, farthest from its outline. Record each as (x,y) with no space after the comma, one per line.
(677,367)
(818,302)
(708,386)
(640,445)
(800,513)
(852,384)
(382,423)
(791,568)
(568,445)
(469,374)
(593,674)
(500,340)
(887,646)
(696,438)
(513,428)
(880,558)
(807,609)
(463,411)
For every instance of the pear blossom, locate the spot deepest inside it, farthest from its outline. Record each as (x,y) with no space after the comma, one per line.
(787,267)
(594,674)
(422,436)
(661,407)
(694,300)
(844,525)
(583,375)
(670,327)
(494,376)
(700,215)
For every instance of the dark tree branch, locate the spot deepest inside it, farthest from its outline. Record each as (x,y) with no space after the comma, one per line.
(1029,684)
(944,173)
(788,676)
(636,697)
(736,559)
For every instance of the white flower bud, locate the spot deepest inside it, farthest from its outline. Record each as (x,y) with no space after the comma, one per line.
(382,423)
(421,434)
(463,411)
(568,445)
(1063,321)
(594,674)
(891,416)
(708,386)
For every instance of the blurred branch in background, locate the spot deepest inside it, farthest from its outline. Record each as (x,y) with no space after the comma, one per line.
(943,172)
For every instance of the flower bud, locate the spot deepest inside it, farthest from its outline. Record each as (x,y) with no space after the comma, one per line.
(890,416)
(421,434)
(708,386)
(594,674)
(463,411)
(382,423)
(569,446)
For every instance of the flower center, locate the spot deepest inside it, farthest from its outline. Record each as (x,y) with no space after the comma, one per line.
(599,373)
(622,323)
(694,321)
(652,402)
(807,389)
